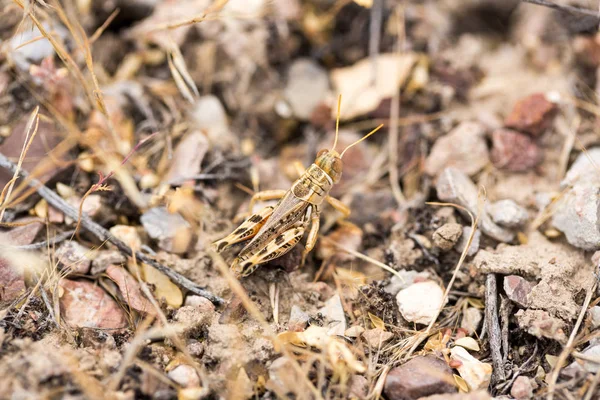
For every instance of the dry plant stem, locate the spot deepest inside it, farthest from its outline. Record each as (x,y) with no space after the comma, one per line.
(46,243)
(569,346)
(563,8)
(423,335)
(104,235)
(365,258)
(593,385)
(375,35)
(393,131)
(33,119)
(493,326)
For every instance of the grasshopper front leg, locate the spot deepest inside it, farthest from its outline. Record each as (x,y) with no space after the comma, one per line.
(274,249)
(247,230)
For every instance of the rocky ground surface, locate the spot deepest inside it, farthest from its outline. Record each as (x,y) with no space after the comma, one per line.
(134,132)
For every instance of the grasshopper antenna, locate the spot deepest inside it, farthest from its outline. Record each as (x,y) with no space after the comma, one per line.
(337,122)
(361,139)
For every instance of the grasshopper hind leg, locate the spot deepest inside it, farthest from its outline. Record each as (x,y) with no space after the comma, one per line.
(274,249)
(247,230)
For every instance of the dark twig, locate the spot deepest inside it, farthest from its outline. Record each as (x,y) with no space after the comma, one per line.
(104,235)
(50,242)
(563,8)
(493,327)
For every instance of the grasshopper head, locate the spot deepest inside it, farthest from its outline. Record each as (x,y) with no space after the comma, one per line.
(330,162)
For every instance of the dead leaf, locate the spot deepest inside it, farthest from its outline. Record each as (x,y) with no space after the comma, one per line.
(377,322)
(461,384)
(364,87)
(163,287)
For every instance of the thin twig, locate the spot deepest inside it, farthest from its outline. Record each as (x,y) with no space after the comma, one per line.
(105,236)
(50,242)
(563,8)
(393,131)
(474,221)
(493,327)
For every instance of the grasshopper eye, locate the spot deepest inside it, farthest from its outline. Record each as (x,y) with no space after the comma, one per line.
(337,165)
(321,152)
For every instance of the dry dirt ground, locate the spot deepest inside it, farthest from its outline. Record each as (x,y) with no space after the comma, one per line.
(133,134)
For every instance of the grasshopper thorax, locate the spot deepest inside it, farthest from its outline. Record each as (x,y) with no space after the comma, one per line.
(330,162)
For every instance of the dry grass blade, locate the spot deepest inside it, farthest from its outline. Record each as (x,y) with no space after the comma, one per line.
(30,129)
(183,80)
(474,220)
(566,351)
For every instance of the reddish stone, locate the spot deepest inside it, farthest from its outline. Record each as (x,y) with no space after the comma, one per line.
(86,305)
(517,289)
(130,289)
(532,114)
(514,151)
(420,377)
(11,281)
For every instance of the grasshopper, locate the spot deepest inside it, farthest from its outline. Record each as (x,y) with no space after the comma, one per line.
(274,231)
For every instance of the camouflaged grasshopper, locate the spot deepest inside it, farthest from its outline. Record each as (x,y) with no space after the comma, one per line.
(276,230)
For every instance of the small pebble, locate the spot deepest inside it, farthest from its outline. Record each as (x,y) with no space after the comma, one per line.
(508,213)
(522,389)
(106,258)
(454,186)
(594,315)
(298,319)
(576,215)
(333,312)
(354,331)
(171,230)
(532,114)
(476,374)
(307,86)
(517,289)
(464,239)
(447,235)
(420,302)
(377,337)
(463,148)
(471,319)
(185,375)
(514,151)
(74,257)
(404,280)
(419,377)
(127,234)
(194,318)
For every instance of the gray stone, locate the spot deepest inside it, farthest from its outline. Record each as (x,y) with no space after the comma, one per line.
(163,226)
(508,213)
(306,88)
(593,353)
(73,257)
(454,186)
(576,215)
(421,376)
(522,389)
(594,314)
(584,169)
(471,319)
(463,148)
(106,258)
(464,239)
(298,319)
(333,311)
(404,280)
